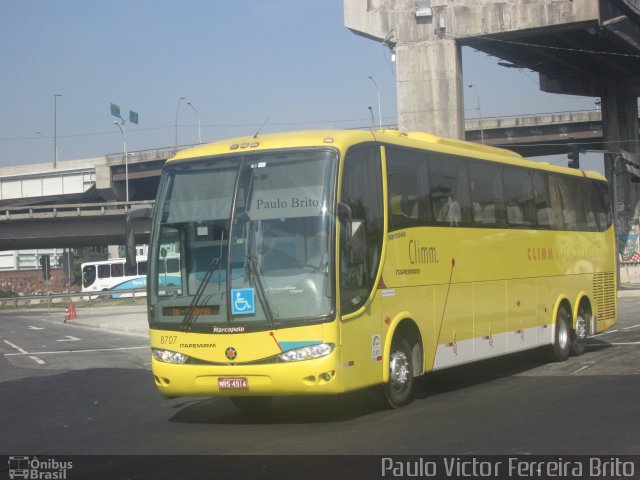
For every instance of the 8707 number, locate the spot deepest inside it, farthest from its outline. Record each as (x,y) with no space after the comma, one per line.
(168,339)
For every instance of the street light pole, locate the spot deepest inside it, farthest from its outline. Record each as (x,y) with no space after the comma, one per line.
(379,108)
(55,129)
(123,131)
(176,124)
(122,125)
(50,138)
(198,115)
(475,89)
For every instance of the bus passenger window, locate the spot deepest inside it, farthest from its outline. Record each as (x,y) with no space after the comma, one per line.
(88,275)
(573,210)
(117,270)
(519,197)
(449,188)
(142,268)
(104,271)
(486,193)
(173,265)
(408,188)
(449,211)
(555,203)
(544,214)
(600,194)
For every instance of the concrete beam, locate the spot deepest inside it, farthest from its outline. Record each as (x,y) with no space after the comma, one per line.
(427,46)
(67,232)
(396,21)
(590,86)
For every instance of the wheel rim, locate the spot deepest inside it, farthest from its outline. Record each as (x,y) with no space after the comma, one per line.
(563,333)
(399,370)
(581,327)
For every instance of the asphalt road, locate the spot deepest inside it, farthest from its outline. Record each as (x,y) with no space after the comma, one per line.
(70,390)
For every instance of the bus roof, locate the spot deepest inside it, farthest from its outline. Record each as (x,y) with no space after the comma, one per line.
(139,258)
(342,139)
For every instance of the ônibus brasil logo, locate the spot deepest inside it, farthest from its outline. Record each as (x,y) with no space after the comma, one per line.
(36,469)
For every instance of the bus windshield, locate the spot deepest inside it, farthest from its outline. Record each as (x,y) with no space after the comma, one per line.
(244,239)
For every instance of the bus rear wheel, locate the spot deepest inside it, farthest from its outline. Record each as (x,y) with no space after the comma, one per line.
(561,347)
(399,389)
(579,335)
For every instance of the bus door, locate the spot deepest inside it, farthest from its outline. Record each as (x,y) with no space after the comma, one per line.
(359,257)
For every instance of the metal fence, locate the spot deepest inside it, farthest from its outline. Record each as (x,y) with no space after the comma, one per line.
(63,299)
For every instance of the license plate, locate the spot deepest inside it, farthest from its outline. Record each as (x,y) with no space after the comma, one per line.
(234,383)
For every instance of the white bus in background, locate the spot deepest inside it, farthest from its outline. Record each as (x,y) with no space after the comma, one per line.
(111,275)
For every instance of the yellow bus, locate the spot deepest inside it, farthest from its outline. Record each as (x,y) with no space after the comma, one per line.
(327,261)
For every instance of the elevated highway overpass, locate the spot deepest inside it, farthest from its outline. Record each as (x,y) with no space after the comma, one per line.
(540,134)
(81,203)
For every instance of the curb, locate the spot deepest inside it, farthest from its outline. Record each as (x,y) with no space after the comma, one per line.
(110,327)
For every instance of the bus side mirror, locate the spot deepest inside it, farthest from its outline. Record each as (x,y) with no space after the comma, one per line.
(355,235)
(130,236)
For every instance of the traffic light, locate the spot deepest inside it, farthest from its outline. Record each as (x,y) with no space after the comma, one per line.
(573,155)
(45,265)
(631,163)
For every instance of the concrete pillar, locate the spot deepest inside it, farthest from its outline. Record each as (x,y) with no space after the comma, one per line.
(429,87)
(620,131)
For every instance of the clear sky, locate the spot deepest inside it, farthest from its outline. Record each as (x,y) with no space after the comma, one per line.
(238,62)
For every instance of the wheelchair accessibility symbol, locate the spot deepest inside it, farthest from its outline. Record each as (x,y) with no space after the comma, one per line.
(242,301)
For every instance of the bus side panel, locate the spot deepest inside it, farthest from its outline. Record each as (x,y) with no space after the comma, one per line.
(358,333)
(454,307)
(415,304)
(490,319)
(546,299)
(521,314)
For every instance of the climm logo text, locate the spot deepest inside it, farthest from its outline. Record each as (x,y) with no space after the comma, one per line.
(539,254)
(420,255)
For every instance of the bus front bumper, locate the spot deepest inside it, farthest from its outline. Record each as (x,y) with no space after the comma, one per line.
(308,377)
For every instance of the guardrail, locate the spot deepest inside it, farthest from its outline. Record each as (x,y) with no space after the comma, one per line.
(71,297)
(70,210)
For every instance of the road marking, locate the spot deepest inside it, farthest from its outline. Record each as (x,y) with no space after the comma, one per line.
(605,333)
(31,327)
(629,328)
(77,351)
(591,345)
(23,352)
(584,367)
(69,338)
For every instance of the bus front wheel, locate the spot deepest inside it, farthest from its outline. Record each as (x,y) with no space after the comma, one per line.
(562,336)
(399,389)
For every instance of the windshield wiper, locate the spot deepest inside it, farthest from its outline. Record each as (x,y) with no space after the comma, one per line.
(262,295)
(192,312)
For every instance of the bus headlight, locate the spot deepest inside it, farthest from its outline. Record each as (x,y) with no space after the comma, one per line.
(167,356)
(307,353)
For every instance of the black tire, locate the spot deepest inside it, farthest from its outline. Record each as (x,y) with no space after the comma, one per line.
(251,404)
(561,347)
(399,390)
(579,335)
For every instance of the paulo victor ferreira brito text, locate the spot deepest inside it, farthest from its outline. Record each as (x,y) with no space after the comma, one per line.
(508,467)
